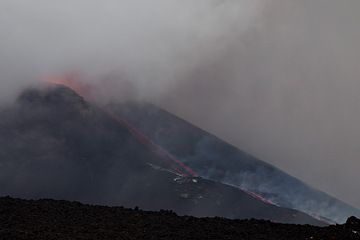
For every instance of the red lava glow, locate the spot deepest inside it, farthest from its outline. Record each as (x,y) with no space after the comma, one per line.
(258,197)
(71,81)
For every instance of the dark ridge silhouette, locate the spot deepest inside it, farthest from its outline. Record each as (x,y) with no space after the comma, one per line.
(57,220)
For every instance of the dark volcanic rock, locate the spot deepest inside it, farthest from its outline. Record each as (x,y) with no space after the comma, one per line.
(353,223)
(60,220)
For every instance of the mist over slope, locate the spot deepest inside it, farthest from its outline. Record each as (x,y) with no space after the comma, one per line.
(54,144)
(213,158)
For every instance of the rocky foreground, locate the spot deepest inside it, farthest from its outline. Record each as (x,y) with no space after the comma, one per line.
(50,219)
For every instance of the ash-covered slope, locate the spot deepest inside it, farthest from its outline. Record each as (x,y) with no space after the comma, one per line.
(213,158)
(54,144)
(60,220)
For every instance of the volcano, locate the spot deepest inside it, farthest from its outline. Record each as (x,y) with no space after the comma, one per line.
(55,144)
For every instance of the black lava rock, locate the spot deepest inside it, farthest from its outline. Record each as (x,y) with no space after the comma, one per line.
(58,220)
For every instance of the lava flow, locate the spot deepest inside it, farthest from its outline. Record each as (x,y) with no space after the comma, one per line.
(175,164)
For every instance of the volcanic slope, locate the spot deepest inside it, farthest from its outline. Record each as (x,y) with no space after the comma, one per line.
(54,144)
(214,159)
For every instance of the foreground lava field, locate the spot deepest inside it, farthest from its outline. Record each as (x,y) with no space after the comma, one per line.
(50,219)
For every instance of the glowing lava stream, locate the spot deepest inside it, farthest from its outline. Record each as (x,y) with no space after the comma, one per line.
(259,197)
(174,163)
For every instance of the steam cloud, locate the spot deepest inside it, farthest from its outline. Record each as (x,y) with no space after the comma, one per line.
(277,78)
(151,43)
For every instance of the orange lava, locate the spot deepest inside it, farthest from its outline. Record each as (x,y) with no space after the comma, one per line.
(72,82)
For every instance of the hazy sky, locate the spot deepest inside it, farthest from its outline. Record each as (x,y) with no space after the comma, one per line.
(279,79)
(149,42)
